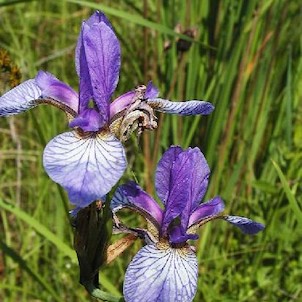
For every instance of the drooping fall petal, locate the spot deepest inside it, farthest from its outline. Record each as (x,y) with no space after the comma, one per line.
(87,167)
(19,99)
(183,108)
(161,275)
(246,225)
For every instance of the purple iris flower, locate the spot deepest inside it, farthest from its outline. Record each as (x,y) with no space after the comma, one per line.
(166,268)
(89,160)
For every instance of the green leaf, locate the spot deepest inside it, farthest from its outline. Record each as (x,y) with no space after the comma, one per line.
(289,194)
(23,265)
(136,19)
(41,229)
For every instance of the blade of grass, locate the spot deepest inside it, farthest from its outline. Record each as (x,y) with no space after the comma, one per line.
(289,194)
(24,266)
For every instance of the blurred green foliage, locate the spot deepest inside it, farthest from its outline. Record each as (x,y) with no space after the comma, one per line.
(246,60)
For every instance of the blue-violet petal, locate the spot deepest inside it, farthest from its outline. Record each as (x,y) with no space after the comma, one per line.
(51,87)
(206,210)
(96,17)
(88,120)
(132,196)
(151,91)
(246,225)
(179,199)
(163,176)
(102,56)
(121,102)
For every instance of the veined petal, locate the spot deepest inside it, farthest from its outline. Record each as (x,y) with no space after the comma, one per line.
(200,176)
(161,275)
(19,99)
(85,88)
(102,54)
(132,196)
(183,108)
(206,210)
(51,87)
(121,102)
(179,200)
(87,167)
(246,225)
(97,17)
(163,176)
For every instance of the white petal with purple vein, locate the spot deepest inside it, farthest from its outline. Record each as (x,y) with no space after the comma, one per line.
(87,167)
(20,98)
(161,275)
(183,108)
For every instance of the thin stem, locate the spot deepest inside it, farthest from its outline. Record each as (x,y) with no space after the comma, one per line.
(101,295)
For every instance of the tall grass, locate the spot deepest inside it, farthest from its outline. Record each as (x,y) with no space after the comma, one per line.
(246,60)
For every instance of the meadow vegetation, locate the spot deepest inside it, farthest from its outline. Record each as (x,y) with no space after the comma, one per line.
(245,58)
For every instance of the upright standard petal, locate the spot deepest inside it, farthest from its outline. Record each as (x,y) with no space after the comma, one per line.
(163,176)
(87,167)
(97,17)
(161,275)
(179,199)
(51,87)
(246,225)
(19,99)
(132,196)
(200,177)
(102,54)
(198,182)
(183,108)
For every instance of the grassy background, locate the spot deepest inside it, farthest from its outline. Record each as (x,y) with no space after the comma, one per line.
(246,59)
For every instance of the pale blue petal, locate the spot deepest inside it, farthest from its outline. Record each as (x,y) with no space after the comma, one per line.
(20,99)
(183,108)
(161,275)
(246,225)
(86,167)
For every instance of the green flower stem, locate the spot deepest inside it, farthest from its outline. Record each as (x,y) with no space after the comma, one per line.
(99,294)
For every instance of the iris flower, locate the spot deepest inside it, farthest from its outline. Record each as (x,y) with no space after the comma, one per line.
(166,268)
(90,159)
